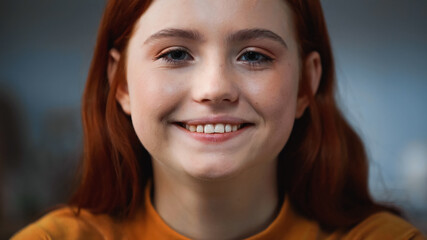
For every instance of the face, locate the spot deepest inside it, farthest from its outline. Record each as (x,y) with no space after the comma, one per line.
(212,86)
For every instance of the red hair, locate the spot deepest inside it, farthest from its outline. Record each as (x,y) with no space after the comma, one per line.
(115,166)
(323,167)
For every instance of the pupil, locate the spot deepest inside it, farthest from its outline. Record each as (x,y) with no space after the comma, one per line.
(252,56)
(178,55)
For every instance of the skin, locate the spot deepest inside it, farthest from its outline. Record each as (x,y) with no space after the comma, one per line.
(214,189)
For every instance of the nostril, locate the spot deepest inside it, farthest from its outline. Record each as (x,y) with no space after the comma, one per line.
(219,100)
(220,91)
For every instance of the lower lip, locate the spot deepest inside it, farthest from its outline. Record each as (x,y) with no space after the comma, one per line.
(213,137)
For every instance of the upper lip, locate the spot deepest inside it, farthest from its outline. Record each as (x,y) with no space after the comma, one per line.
(214,120)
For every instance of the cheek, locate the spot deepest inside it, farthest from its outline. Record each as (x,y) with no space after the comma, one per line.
(275,95)
(153,94)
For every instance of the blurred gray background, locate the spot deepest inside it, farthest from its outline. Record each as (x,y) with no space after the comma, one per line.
(45,51)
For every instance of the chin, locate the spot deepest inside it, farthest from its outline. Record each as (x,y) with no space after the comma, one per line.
(212,169)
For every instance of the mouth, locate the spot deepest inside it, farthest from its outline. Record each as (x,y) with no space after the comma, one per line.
(213,128)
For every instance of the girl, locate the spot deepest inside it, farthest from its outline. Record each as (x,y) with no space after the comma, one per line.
(217,120)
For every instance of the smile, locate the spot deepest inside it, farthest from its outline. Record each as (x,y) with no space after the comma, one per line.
(213,128)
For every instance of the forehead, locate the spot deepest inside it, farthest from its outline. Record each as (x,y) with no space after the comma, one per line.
(213,18)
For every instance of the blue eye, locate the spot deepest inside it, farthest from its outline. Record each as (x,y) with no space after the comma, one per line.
(176,56)
(254,58)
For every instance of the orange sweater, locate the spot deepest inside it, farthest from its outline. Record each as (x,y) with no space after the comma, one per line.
(147,224)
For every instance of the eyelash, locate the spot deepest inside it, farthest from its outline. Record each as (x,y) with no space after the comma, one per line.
(265,60)
(164,56)
(262,58)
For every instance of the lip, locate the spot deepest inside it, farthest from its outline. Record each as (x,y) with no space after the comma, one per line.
(216,119)
(214,137)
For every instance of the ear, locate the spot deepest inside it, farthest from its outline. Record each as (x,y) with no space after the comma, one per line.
(312,73)
(122,93)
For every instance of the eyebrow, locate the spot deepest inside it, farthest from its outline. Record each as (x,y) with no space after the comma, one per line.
(255,33)
(239,36)
(176,33)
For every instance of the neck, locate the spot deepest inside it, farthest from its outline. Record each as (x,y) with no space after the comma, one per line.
(236,207)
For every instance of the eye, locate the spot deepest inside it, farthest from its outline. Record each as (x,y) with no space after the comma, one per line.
(175,56)
(254,58)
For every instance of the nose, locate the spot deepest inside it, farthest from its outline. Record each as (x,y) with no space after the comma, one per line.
(215,84)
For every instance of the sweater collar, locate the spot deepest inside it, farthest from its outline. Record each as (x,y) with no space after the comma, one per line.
(286,225)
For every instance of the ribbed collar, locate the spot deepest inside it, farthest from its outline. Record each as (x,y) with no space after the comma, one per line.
(287,225)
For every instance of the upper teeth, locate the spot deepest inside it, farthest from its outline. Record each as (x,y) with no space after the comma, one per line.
(212,128)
